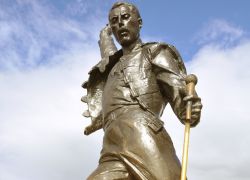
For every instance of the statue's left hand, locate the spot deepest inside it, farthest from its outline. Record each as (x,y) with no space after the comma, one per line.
(106,32)
(196,109)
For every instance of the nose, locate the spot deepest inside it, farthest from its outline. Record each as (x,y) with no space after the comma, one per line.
(120,21)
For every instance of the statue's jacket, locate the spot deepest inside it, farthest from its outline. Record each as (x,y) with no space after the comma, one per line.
(154,74)
(159,69)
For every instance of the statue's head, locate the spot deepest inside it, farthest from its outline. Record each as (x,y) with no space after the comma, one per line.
(125,22)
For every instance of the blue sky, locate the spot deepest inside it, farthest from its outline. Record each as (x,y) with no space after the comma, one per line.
(179,23)
(47,47)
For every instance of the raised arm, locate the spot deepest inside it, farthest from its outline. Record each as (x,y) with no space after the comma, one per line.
(96,81)
(106,42)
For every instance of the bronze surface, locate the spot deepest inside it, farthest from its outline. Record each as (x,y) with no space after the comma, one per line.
(127,92)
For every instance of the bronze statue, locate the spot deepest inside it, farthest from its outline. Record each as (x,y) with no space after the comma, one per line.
(127,92)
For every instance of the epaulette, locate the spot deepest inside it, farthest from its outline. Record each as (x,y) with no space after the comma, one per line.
(154,48)
(106,63)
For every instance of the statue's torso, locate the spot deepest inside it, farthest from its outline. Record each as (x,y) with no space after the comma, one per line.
(132,103)
(131,81)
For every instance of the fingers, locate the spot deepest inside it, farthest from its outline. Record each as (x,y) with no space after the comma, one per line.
(88,130)
(106,31)
(108,28)
(197,105)
(195,115)
(194,120)
(86,113)
(194,112)
(84,99)
(196,108)
(191,98)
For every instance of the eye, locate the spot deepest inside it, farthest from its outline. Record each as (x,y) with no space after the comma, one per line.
(125,16)
(114,20)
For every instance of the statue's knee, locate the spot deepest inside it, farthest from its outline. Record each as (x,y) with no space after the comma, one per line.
(95,176)
(110,175)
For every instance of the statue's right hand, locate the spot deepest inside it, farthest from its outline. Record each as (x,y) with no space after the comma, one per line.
(105,32)
(88,130)
(92,128)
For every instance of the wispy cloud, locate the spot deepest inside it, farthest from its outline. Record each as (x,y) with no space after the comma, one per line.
(221,32)
(219,145)
(32,32)
(45,55)
(41,130)
(78,7)
(224,86)
(44,59)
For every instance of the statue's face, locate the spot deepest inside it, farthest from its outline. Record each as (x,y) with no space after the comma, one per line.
(125,25)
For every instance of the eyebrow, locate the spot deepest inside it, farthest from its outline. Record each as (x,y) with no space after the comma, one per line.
(124,12)
(112,16)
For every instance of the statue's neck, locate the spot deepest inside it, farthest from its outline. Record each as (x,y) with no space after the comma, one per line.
(131,47)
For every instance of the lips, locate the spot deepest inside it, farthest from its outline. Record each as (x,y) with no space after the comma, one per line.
(123,32)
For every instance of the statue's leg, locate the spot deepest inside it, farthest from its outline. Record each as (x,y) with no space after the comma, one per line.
(109,171)
(143,146)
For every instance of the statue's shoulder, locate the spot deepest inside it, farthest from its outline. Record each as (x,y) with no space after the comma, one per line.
(165,56)
(99,72)
(106,63)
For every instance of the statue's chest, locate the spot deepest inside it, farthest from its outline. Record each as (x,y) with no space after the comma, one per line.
(131,67)
(133,72)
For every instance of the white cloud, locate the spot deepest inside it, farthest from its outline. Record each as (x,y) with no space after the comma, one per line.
(44,59)
(223,135)
(219,145)
(220,31)
(41,129)
(31,33)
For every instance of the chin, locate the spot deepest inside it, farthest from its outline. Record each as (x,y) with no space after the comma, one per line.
(125,42)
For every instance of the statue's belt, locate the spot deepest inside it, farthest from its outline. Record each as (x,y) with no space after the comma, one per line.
(152,121)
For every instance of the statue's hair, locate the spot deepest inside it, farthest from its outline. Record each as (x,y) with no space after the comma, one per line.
(132,7)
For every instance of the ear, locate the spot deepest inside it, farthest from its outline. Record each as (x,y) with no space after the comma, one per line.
(140,22)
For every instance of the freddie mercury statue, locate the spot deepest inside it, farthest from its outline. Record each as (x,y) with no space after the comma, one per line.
(127,92)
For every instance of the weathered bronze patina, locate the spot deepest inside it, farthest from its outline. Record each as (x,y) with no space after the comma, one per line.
(127,92)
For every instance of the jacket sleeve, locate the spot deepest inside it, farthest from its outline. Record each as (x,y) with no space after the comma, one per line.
(95,84)
(170,73)
(93,99)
